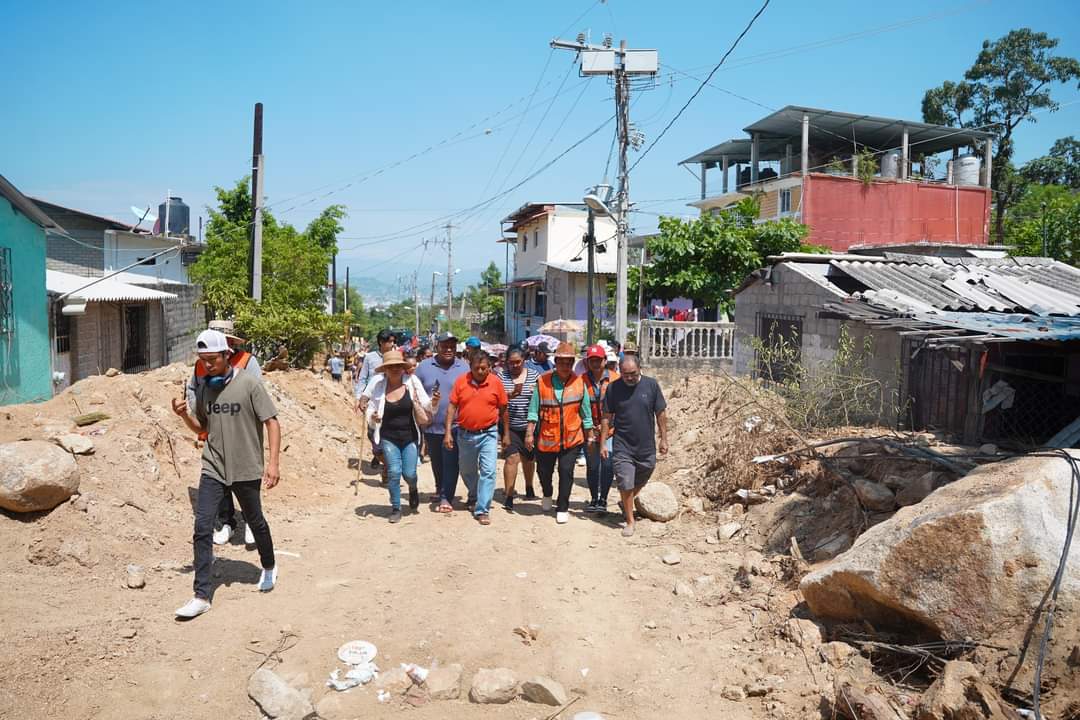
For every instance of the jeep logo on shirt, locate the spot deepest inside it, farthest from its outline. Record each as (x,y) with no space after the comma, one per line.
(216,408)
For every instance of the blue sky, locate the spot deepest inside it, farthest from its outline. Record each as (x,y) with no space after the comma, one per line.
(108,105)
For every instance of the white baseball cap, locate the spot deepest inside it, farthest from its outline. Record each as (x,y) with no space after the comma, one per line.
(211,341)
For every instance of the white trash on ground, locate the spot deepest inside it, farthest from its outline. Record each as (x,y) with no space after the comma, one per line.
(358,655)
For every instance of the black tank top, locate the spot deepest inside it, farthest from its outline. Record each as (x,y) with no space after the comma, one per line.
(397,421)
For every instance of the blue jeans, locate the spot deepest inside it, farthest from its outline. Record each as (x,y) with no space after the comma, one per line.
(598,472)
(400,462)
(444,465)
(477,453)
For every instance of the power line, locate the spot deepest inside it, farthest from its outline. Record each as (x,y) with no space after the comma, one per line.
(702,85)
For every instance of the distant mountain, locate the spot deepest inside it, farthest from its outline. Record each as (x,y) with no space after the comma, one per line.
(386,289)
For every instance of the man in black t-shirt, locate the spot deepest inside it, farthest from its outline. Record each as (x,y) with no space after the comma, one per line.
(631,404)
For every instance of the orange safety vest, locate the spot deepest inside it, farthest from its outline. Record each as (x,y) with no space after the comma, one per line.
(238,359)
(596,395)
(560,422)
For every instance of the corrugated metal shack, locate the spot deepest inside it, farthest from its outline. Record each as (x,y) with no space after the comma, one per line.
(987,349)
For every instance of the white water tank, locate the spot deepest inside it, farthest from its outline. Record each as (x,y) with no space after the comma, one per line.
(964,170)
(890,164)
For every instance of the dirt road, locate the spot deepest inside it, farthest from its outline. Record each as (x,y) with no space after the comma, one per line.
(433,589)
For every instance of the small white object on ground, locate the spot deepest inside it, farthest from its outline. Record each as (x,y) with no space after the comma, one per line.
(357,652)
(521,575)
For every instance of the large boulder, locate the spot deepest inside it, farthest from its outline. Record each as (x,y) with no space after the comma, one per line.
(972,560)
(36,475)
(657,502)
(276,698)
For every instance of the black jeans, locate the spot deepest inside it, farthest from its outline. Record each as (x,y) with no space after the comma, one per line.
(545,467)
(444,465)
(227,513)
(211,493)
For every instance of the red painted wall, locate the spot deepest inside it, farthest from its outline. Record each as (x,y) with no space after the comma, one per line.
(842,212)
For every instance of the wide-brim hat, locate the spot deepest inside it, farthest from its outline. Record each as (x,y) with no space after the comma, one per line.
(391,359)
(225,327)
(565,350)
(629,347)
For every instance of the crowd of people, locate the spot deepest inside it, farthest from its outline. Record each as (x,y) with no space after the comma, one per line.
(541,409)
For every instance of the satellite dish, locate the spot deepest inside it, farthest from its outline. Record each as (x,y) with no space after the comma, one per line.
(144,215)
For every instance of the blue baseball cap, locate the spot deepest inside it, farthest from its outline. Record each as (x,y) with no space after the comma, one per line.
(472,342)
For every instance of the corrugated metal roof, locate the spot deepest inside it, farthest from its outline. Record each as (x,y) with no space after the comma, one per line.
(1012,326)
(109,290)
(1035,285)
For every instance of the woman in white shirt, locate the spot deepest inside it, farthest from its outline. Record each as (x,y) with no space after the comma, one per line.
(398,410)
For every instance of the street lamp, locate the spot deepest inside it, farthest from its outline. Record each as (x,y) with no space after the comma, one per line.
(596,202)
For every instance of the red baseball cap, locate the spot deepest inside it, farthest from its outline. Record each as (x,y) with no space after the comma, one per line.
(595,351)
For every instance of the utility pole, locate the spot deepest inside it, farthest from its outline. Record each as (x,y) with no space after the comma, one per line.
(434,315)
(348,318)
(333,285)
(449,273)
(416,303)
(622,64)
(590,241)
(255,248)
(622,120)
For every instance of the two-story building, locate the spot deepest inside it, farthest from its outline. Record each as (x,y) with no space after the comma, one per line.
(550,266)
(856,180)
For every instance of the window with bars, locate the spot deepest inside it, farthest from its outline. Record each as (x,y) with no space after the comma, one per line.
(61,328)
(7,305)
(785,201)
(781,346)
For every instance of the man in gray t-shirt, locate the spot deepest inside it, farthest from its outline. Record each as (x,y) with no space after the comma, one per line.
(232,408)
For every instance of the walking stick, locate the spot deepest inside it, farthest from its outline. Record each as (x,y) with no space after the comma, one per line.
(360,464)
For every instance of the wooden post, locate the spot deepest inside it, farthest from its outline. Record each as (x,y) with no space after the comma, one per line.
(738,175)
(704,167)
(724,171)
(786,170)
(988,159)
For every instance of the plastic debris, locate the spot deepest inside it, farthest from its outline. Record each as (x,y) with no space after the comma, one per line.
(522,575)
(751,423)
(356,675)
(383,696)
(416,673)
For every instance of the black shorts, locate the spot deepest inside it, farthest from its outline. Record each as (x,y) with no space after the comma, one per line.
(517,446)
(629,473)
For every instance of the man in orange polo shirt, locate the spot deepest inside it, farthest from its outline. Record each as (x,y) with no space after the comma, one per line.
(476,402)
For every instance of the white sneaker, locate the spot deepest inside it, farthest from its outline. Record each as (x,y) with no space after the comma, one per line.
(223,535)
(249,537)
(194,608)
(545,504)
(268,580)
(562,518)
(581,462)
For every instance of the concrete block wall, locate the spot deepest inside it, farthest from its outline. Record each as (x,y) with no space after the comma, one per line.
(791,293)
(185,318)
(85,258)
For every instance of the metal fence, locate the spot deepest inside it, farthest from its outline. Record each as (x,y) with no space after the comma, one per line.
(666,339)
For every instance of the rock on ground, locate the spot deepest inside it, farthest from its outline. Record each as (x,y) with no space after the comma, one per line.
(394,681)
(545,691)
(804,633)
(75,443)
(961,692)
(444,683)
(857,699)
(35,475)
(496,686)
(874,496)
(917,490)
(657,502)
(972,560)
(836,653)
(276,699)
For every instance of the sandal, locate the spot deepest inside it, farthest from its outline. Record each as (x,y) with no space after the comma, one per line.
(445,508)
(483,519)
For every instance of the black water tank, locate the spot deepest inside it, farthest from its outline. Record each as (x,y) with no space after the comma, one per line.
(179,217)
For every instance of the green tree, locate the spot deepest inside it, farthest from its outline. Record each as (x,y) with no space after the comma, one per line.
(1060,167)
(707,257)
(1011,79)
(294,276)
(483,300)
(1059,208)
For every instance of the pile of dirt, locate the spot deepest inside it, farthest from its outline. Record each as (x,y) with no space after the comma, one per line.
(137,485)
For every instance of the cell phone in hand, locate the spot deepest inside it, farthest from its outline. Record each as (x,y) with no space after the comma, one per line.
(436,388)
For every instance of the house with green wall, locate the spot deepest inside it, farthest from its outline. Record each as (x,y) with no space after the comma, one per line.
(25,350)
